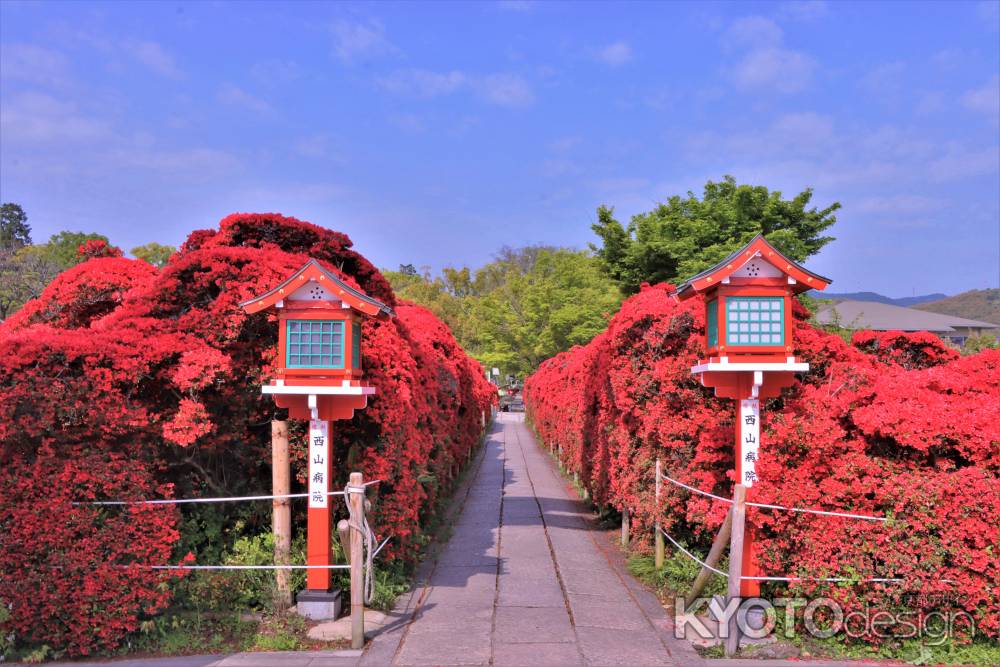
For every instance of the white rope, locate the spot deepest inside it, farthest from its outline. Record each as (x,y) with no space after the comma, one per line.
(691,488)
(825,579)
(245,567)
(183,501)
(367,539)
(691,555)
(819,579)
(866,517)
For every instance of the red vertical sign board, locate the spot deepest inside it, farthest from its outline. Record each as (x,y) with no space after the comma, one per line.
(319,549)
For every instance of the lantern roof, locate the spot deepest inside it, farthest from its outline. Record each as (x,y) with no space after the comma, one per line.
(799,278)
(313,271)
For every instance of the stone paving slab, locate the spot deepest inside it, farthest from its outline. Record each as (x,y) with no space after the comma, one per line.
(536,655)
(530,625)
(601,646)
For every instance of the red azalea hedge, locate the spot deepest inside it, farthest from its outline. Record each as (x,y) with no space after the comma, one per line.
(125,381)
(896,424)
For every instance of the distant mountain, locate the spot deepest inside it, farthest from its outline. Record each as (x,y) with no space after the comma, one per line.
(906,301)
(977,304)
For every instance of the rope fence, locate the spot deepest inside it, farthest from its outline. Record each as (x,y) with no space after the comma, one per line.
(368,535)
(864,517)
(747,578)
(229,499)
(717,546)
(242,567)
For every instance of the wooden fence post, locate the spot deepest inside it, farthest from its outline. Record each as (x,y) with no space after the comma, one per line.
(626,527)
(281,522)
(658,535)
(718,546)
(357,502)
(739,512)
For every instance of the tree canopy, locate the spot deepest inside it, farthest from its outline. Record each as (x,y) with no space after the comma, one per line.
(26,269)
(14,228)
(154,253)
(526,306)
(686,235)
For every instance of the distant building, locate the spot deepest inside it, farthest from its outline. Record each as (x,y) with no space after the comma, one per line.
(884,317)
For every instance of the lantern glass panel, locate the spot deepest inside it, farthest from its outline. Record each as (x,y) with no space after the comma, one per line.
(356,344)
(757,320)
(314,344)
(712,323)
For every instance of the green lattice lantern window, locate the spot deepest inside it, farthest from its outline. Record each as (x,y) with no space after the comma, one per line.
(755,321)
(315,343)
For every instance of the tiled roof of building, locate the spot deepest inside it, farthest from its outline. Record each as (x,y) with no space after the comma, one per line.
(885,317)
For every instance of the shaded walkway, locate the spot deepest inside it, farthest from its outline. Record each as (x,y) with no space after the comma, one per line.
(523,580)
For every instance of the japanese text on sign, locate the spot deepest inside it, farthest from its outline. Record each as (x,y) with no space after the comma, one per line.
(319,453)
(749,440)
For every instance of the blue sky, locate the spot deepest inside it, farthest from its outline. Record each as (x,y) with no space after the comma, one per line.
(433,134)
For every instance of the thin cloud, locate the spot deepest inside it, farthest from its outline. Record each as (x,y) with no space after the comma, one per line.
(37,119)
(233,95)
(508,90)
(984,100)
(154,57)
(884,81)
(423,83)
(766,65)
(774,69)
(34,64)
(615,54)
(754,32)
(501,89)
(356,40)
(804,10)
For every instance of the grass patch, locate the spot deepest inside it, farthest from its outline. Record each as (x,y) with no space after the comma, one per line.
(675,577)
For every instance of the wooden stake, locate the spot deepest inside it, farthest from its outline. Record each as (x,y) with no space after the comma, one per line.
(357,502)
(281,522)
(739,512)
(626,527)
(657,535)
(344,534)
(718,546)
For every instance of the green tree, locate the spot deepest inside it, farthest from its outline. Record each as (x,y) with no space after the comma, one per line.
(25,270)
(154,253)
(15,232)
(24,273)
(61,248)
(686,235)
(527,305)
(976,344)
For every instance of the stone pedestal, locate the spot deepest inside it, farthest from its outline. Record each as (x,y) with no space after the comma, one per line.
(318,605)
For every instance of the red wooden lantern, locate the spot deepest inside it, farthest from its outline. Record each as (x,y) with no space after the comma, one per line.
(749,346)
(748,320)
(320,377)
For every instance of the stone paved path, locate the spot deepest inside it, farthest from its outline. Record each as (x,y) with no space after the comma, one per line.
(522,580)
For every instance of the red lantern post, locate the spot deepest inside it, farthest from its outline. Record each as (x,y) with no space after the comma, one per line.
(749,349)
(319,378)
